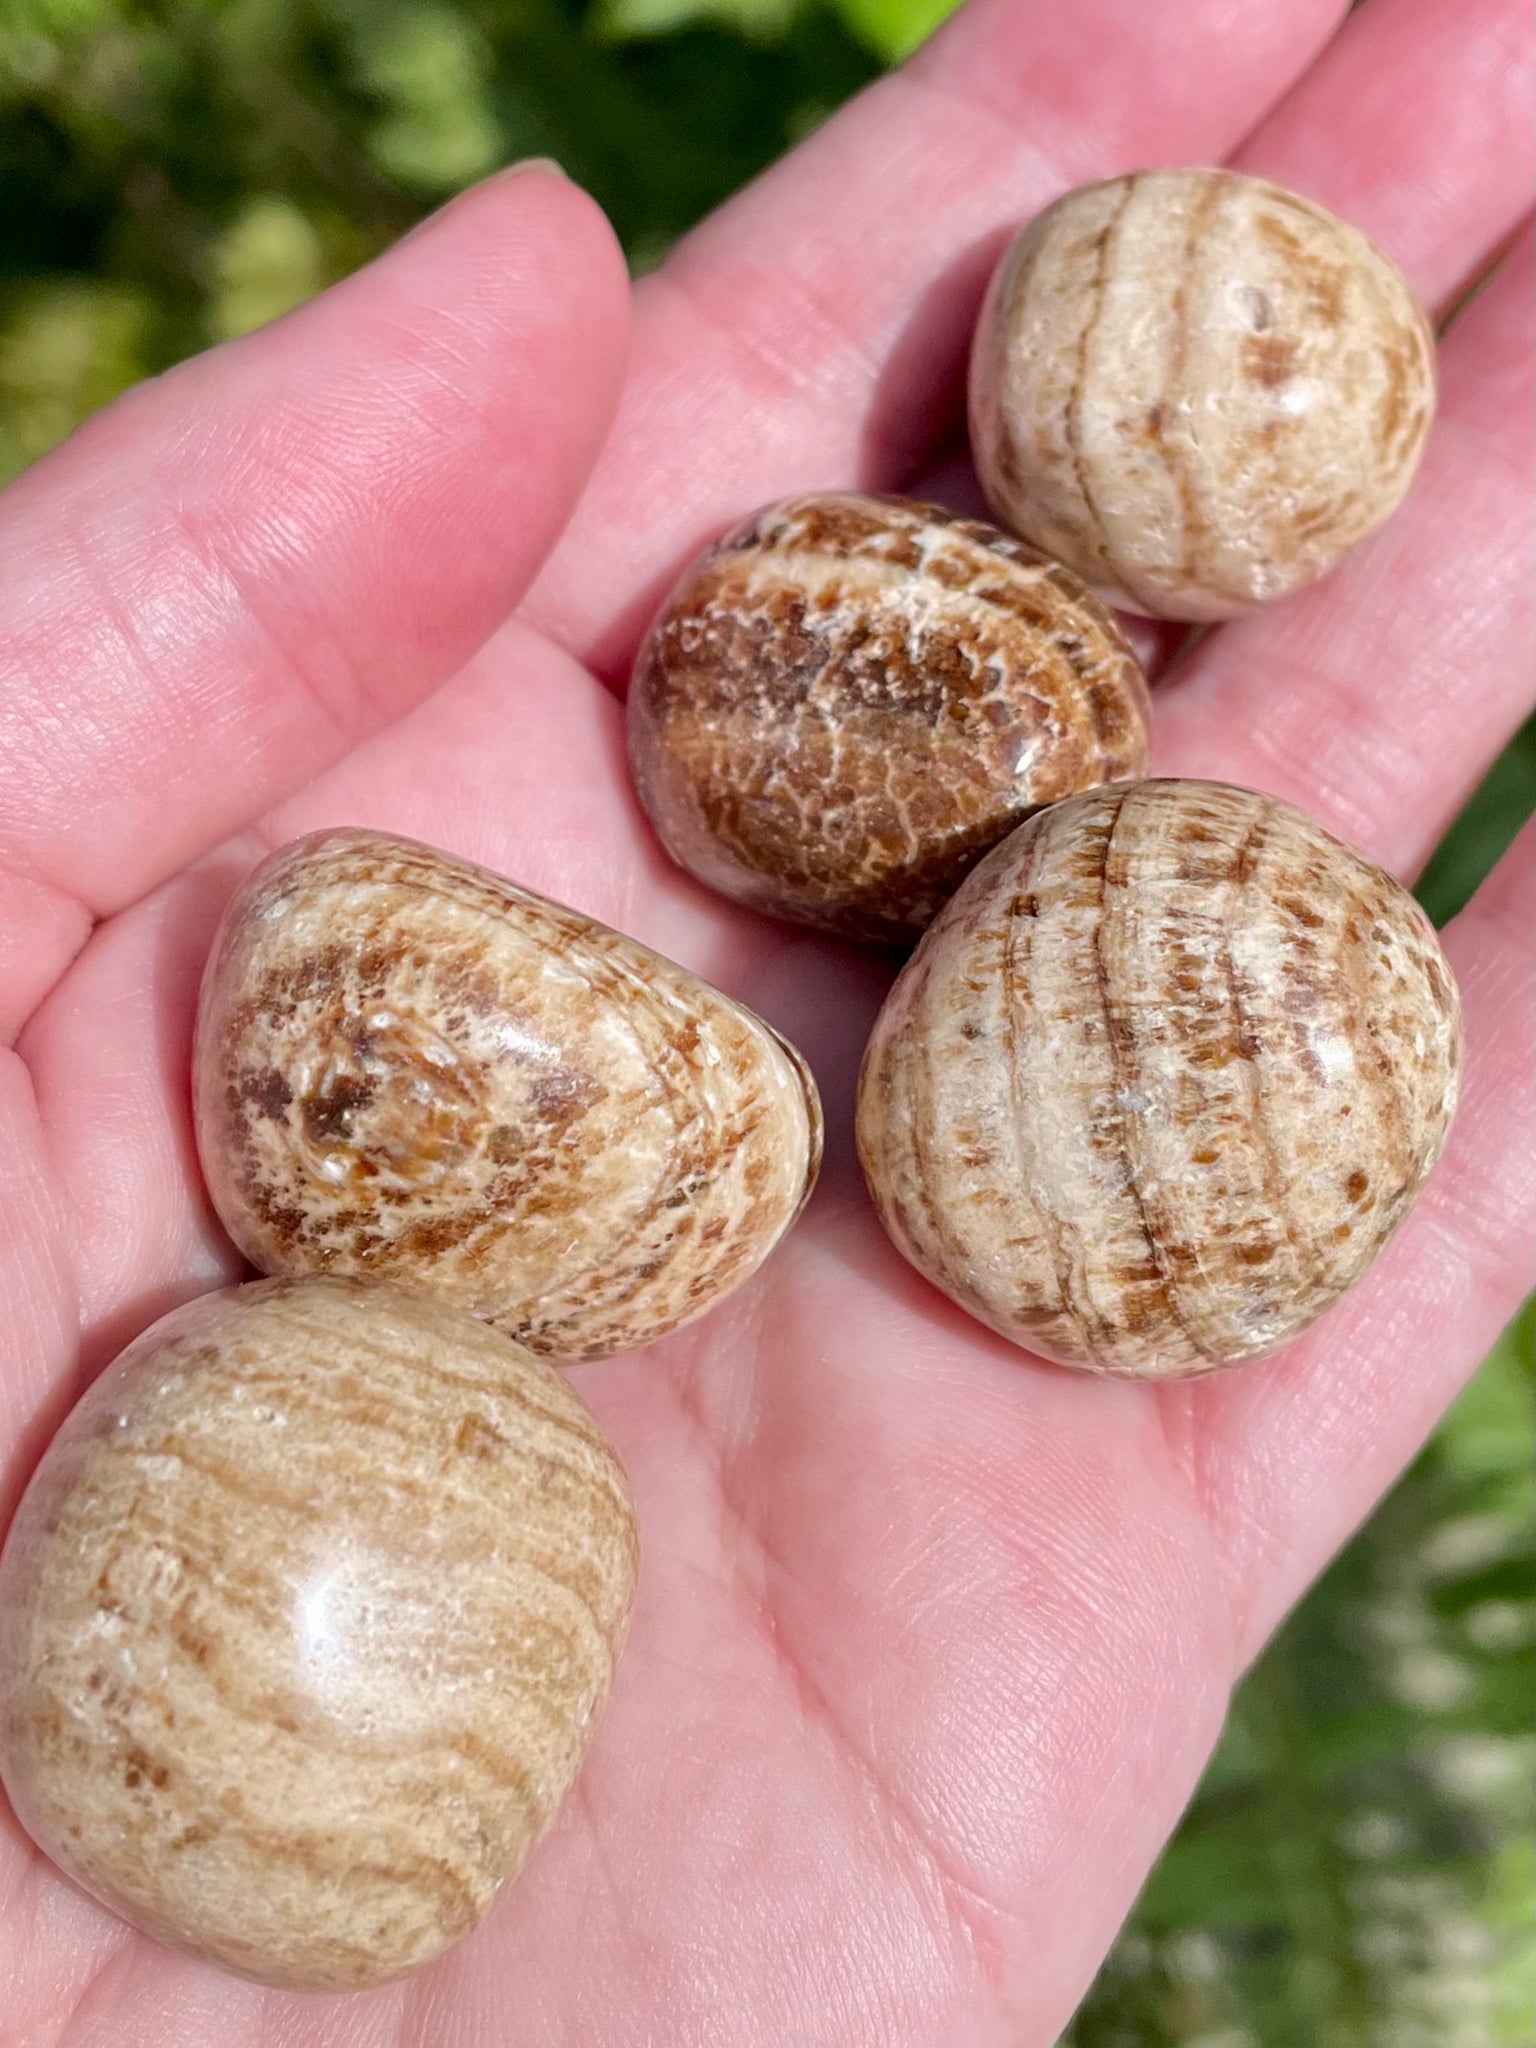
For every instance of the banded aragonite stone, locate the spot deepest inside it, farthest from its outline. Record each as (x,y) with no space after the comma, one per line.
(409,1069)
(849,699)
(1162,1080)
(1197,389)
(305,1621)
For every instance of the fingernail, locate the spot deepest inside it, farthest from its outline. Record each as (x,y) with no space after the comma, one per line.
(534,163)
(547,164)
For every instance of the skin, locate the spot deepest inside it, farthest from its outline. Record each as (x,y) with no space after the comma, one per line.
(931,1641)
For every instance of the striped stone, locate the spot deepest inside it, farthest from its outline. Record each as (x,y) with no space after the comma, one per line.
(305,1621)
(1162,1080)
(1197,389)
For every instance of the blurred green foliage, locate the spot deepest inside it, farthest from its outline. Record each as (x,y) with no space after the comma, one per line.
(175,171)
(1356,1871)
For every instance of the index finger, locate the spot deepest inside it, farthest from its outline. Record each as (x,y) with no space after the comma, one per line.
(228,576)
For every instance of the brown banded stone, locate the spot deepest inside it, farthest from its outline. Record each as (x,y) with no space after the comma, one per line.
(409,1069)
(1197,389)
(1162,1079)
(305,1622)
(849,699)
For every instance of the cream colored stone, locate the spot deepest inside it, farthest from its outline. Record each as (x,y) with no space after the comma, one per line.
(305,1620)
(1162,1079)
(411,1070)
(1197,390)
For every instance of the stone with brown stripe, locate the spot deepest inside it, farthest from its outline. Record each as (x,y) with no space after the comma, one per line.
(846,702)
(409,1069)
(1163,1078)
(1197,389)
(305,1621)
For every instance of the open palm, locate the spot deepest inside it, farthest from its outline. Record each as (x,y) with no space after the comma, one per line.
(932,1641)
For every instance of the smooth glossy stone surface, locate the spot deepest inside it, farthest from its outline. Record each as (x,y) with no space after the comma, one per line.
(1197,389)
(1161,1080)
(304,1622)
(850,698)
(411,1070)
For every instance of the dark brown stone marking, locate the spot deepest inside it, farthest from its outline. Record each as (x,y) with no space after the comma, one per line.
(915,1105)
(1197,535)
(1398,1137)
(1323,283)
(1272,1180)
(1072,425)
(1007,457)
(1401,417)
(561,1094)
(1078,1317)
(1155,1277)
(1270,359)
(477,1438)
(268,1093)
(327,1114)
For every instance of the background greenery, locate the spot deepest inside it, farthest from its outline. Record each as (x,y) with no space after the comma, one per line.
(1356,1871)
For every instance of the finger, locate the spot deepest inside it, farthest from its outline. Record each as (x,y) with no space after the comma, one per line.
(1416,126)
(1288,1459)
(1377,698)
(37,1291)
(220,582)
(41,930)
(814,330)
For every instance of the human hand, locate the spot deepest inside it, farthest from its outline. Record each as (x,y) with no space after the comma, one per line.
(932,1641)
